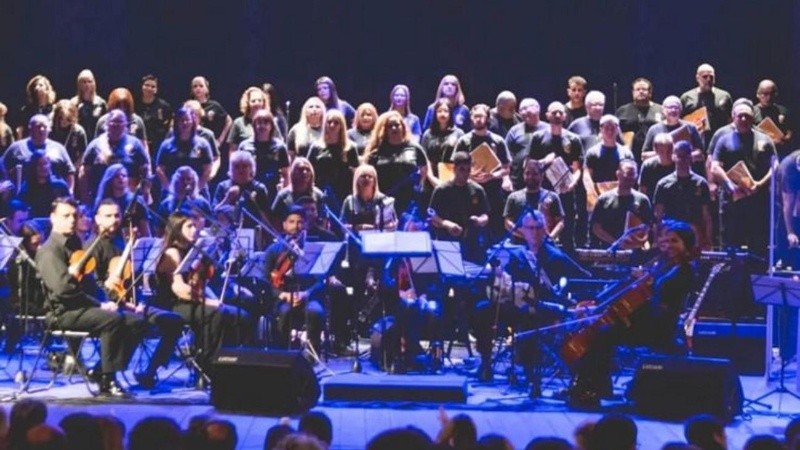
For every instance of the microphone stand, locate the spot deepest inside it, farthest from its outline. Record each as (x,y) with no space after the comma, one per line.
(228,268)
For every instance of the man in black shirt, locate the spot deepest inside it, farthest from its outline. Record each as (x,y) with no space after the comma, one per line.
(716,101)
(620,209)
(657,167)
(636,117)
(75,302)
(519,137)
(766,107)
(108,217)
(504,115)
(154,111)
(588,126)
(533,197)
(602,159)
(461,209)
(576,94)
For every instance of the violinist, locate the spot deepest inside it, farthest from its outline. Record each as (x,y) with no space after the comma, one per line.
(653,324)
(112,272)
(186,293)
(537,266)
(74,302)
(297,299)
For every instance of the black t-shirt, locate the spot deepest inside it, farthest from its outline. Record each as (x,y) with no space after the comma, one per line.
(215,116)
(194,153)
(333,175)
(604,161)
(457,204)
(543,200)
(439,146)
(397,166)
(40,196)
(157,117)
(285,199)
(471,141)
(518,141)
(129,152)
(588,130)
(501,126)
(358,212)
(638,119)
(254,196)
(567,145)
(359,138)
(72,138)
(755,149)
(271,156)
(717,102)
(89,112)
(661,127)
(683,198)
(612,209)
(652,171)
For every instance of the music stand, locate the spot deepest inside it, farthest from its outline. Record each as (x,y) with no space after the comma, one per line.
(783,292)
(445,259)
(395,244)
(255,266)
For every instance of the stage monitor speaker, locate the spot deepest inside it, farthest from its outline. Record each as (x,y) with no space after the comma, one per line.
(272,382)
(742,343)
(678,387)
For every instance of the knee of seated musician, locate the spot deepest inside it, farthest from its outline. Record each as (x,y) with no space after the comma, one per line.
(314,310)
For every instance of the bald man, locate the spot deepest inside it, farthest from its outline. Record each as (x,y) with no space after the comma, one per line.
(717,101)
(766,93)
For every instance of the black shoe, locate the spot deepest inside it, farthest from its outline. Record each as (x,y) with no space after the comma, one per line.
(146,380)
(535,391)
(110,388)
(583,399)
(94,376)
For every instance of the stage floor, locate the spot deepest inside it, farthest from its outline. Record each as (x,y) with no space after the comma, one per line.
(495,407)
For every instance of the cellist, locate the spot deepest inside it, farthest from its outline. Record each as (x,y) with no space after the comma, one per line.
(113,272)
(297,299)
(653,324)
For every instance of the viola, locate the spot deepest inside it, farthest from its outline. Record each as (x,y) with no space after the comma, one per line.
(283,268)
(120,267)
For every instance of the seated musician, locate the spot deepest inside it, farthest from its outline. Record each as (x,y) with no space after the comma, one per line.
(297,298)
(186,293)
(619,210)
(551,263)
(74,301)
(110,272)
(461,209)
(653,324)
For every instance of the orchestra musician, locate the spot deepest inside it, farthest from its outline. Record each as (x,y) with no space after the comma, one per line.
(115,277)
(74,301)
(539,263)
(186,293)
(652,324)
(297,299)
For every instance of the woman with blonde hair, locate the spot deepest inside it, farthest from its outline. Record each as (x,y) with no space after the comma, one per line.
(364,123)
(308,130)
(401,164)
(253,100)
(269,151)
(183,194)
(67,131)
(301,184)
(39,99)
(450,88)
(360,210)
(90,105)
(334,158)
(400,101)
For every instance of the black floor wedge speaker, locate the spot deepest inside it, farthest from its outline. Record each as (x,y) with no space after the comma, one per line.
(678,387)
(271,382)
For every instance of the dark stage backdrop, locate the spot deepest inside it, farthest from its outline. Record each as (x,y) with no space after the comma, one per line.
(530,47)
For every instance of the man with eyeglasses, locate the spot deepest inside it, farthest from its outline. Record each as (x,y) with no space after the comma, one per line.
(717,101)
(746,216)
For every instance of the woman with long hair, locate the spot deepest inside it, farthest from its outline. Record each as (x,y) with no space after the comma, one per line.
(440,139)
(364,123)
(183,194)
(216,117)
(334,158)
(276,108)
(325,89)
(450,88)
(401,164)
(67,131)
(186,293)
(400,101)
(90,105)
(39,99)
(114,185)
(308,130)
(253,100)
(362,209)
(184,148)
(39,186)
(301,184)
(269,151)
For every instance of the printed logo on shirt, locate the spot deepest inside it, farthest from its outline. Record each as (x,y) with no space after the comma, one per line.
(129,148)
(210,115)
(658,117)
(160,114)
(721,102)
(761,146)
(781,118)
(97,110)
(133,128)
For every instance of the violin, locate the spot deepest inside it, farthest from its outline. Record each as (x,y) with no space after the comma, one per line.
(283,267)
(121,268)
(82,262)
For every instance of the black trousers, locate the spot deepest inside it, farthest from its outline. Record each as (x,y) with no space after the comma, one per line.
(214,326)
(119,331)
(168,325)
(312,314)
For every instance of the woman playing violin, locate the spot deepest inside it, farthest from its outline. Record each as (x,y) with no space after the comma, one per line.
(653,324)
(113,270)
(186,294)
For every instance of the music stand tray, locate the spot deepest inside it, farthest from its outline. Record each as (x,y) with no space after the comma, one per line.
(144,253)
(8,245)
(203,246)
(396,243)
(255,266)
(445,259)
(317,259)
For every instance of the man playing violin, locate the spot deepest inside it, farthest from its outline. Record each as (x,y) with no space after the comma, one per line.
(111,272)
(666,286)
(297,298)
(74,302)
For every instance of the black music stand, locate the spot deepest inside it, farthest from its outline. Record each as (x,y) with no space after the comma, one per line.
(394,244)
(782,292)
